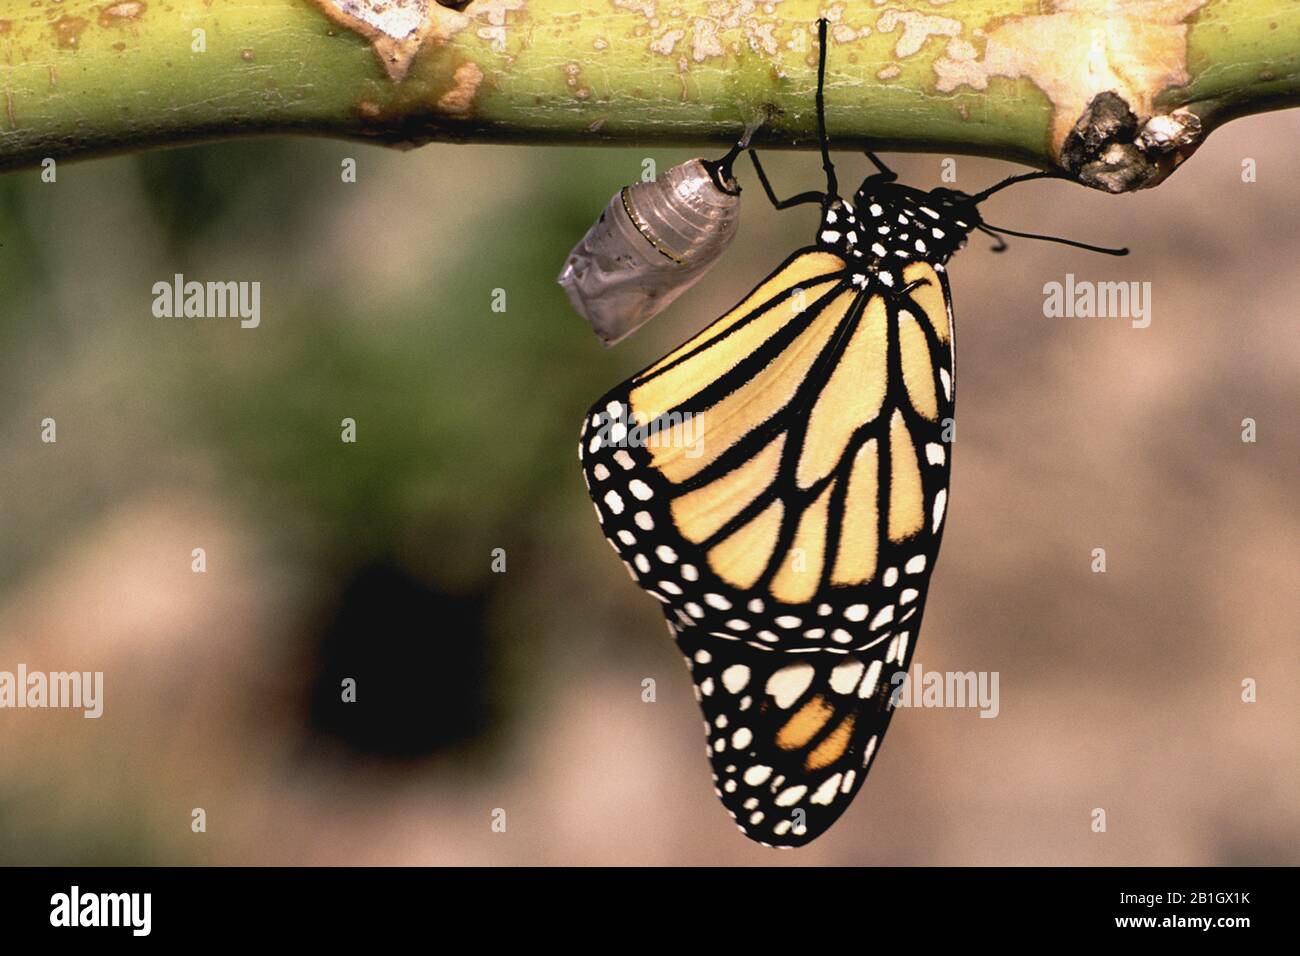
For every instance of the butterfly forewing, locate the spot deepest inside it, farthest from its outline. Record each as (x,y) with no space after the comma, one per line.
(779,483)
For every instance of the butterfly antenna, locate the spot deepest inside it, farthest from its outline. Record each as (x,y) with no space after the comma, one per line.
(1001,243)
(832,186)
(1012,180)
(1065,242)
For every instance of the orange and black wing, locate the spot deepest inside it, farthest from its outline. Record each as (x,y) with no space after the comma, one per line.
(778,483)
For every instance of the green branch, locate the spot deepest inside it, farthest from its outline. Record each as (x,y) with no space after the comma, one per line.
(992,77)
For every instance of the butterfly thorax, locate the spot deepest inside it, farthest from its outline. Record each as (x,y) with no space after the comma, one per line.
(889,225)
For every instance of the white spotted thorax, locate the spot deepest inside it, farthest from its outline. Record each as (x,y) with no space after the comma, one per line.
(653,242)
(888,225)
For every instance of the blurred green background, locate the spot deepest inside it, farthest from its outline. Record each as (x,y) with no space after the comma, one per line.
(522,690)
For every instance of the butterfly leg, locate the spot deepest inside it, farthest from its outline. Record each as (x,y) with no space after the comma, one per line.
(798,200)
(832,186)
(887,174)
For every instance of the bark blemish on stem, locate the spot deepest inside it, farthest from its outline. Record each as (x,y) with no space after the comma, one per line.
(573,80)
(1109,149)
(399,29)
(459,100)
(1102,67)
(917,28)
(119,14)
(67,30)
(396,28)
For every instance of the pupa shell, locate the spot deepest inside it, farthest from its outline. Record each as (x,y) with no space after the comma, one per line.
(653,242)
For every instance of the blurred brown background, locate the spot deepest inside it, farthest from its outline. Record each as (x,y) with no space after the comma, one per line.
(521,690)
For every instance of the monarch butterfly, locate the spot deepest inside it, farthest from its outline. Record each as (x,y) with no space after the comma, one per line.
(779,484)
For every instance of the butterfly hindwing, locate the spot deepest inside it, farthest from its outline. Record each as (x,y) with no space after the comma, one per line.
(778,483)
(791,737)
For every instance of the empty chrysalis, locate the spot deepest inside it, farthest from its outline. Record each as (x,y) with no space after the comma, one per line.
(653,242)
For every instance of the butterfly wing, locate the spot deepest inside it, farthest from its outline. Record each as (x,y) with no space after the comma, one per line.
(779,483)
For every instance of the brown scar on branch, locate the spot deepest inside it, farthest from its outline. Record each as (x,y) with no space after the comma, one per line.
(120,14)
(1109,150)
(397,28)
(1102,67)
(459,100)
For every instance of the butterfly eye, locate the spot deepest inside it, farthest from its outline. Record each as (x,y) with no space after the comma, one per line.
(950,197)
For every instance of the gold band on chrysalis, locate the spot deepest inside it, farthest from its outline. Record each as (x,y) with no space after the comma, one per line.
(644,229)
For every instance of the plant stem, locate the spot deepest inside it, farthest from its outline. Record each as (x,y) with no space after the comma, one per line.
(991,77)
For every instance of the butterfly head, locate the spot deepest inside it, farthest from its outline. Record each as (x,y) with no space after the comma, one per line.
(959,208)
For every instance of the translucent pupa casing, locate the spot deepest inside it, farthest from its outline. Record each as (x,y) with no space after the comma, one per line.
(653,242)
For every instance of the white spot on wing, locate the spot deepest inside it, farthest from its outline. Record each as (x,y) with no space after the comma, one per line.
(790,796)
(940,502)
(788,684)
(735,678)
(869,682)
(826,792)
(845,677)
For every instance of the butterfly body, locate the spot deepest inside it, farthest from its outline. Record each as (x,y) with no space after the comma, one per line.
(778,483)
(889,223)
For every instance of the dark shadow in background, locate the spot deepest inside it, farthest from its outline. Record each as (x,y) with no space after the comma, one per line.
(422,661)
